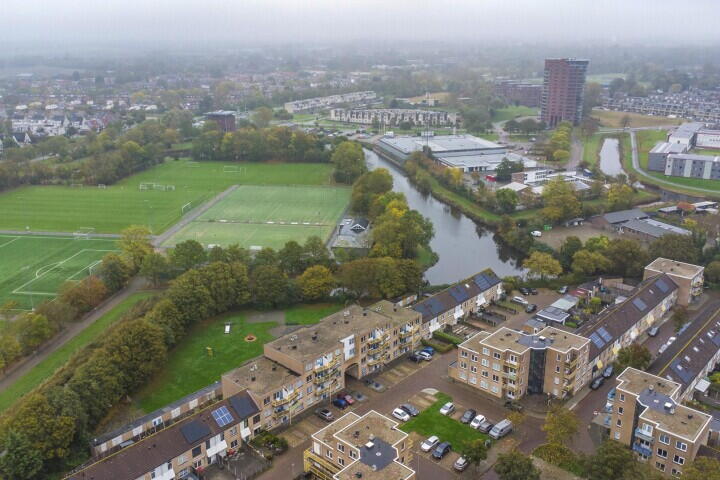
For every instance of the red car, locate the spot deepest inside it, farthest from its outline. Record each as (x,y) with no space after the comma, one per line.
(348,398)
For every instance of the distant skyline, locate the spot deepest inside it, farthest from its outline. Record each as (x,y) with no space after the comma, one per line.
(154,24)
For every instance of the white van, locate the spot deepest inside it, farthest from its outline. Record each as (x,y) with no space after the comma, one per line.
(501,429)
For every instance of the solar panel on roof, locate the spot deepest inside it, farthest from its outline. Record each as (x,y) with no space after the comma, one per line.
(604,334)
(243,406)
(685,375)
(662,285)
(638,302)
(596,340)
(435,306)
(459,293)
(482,282)
(194,431)
(222,416)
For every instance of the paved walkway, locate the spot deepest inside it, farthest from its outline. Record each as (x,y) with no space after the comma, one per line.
(192,215)
(17,371)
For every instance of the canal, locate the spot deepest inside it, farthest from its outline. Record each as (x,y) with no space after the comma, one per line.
(463,247)
(610,163)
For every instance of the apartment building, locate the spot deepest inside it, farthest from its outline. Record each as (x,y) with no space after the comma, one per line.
(563,91)
(647,416)
(369,447)
(522,93)
(319,103)
(692,165)
(511,364)
(621,324)
(454,303)
(393,116)
(307,366)
(689,278)
(183,449)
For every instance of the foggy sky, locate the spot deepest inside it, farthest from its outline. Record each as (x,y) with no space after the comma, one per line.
(162,23)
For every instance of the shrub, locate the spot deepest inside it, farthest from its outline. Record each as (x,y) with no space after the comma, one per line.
(439,346)
(448,338)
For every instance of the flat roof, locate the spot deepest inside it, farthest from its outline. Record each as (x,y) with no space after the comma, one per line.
(636,381)
(441,143)
(519,342)
(694,157)
(673,267)
(654,228)
(261,375)
(372,425)
(327,434)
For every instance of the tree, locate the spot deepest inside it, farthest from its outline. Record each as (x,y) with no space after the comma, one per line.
(712,271)
(627,257)
(188,254)
(114,272)
(542,264)
(635,356)
(261,117)
(625,121)
(292,258)
(349,161)
(34,329)
(702,468)
(516,466)
(587,262)
(560,425)
(155,268)
(507,200)
(679,317)
(315,283)
(84,295)
(611,460)
(620,196)
(560,201)
(9,350)
(505,169)
(561,155)
(20,460)
(675,247)
(269,286)
(135,244)
(569,247)
(475,451)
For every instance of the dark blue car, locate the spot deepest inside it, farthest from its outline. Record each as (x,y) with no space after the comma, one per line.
(340,403)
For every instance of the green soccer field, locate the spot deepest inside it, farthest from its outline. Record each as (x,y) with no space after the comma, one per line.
(268,216)
(32,267)
(168,191)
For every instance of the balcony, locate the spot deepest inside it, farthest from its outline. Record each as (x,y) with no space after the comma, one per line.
(641,449)
(408,332)
(325,376)
(510,363)
(286,398)
(376,360)
(510,375)
(332,363)
(325,388)
(645,435)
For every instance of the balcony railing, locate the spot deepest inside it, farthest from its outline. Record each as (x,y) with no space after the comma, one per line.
(286,398)
(642,449)
(376,360)
(326,376)
(644,435)
(332,363)
(510,375)
(408,332)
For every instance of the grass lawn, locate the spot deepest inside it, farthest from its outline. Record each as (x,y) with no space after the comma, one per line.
(59,357)
(430,422)
(612,119)
(508,113)
(190,368)
(268,216)
(493,137)
(592,148)
(310,314)
(646,141)
(32,267)
(109,210)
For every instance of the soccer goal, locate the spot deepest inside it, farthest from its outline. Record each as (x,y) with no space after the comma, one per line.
(169,188)
(185,208)
(83,233)
(102,186)
(146,186)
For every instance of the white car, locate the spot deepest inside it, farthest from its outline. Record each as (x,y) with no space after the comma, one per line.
(477,421)
(401,415)
(424,355)
(536,233)
(429,444)
(447,409)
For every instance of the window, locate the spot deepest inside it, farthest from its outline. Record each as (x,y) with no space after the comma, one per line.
(617,435)
(463,365)
(682,446)
(484,362)
(620,410)
(463,353)
(557,369)
(233,431)
(353,454)
(496,367)
(494,389)
(556,380)
(256,418)
(196,451)
(495,378)
(679,460)
(660,466)
(328,454)
(198,463)
(483,384)
(513,358)
(341,462)
(622,397)
(496,355)
(486,351)
(473,368)
(675,473)
(341,447)
(664,439)
(234,444)
(474,358)
(662,453)
(619,423)
(485,373)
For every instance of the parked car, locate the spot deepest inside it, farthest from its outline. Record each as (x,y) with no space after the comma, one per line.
(468,416)
(662,348)
(441,450)
(429,350)
(340,403)
(447,409)
(424,355)
(485,426)
(414,357)
(325,414)
(348,398)
(410,409)
(460,464)
(607,373)
(563,290)
(611,395)
(501,429)
(429,444)
(534,291)
(524,290)
(597,383)
(519,300)
(401,414)
(536,233)
(531,308)
(514,406)
(653,331)
(477,421)
(671,340)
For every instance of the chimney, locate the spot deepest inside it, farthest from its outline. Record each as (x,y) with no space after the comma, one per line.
(669,407)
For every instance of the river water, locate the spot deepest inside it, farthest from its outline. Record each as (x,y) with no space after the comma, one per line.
(463,247)
(610,157)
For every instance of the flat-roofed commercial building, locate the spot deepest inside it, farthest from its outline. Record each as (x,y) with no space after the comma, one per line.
(184,448)
(511,364)
(563,91)
(355,447)
(689,278)
(647,417)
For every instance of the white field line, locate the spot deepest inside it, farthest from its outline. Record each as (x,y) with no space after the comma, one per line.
(70,278)
(8,243)
(19,290)
(57,237)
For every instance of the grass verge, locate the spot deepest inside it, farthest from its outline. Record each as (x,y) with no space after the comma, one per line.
(310,314)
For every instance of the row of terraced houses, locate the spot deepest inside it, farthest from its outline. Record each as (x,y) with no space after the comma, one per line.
(303,369)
